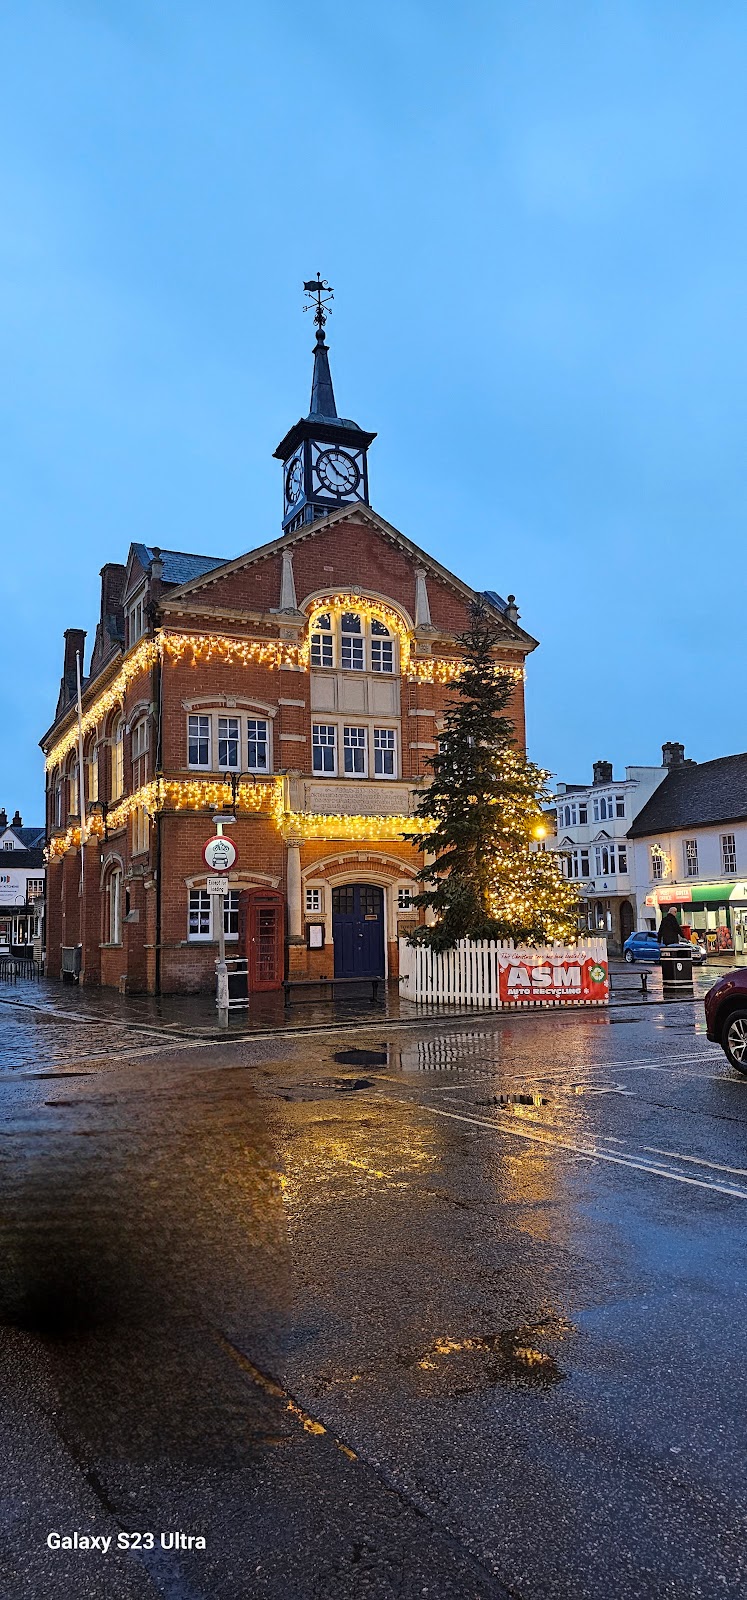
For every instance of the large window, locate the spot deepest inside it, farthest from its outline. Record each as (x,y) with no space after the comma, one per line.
(257,744)
(577,864)
(385,752)
(139,750)
(72,788)
(609,859)
(117,759)
(136,621)
(228,744)
(113,907)
(322,645)
(352,651)
(324,747)
(691,858)
(219,743)
(200,915)
(353,642)
(198,732)
(728,852)
(657,863)
(354,744)
(34,888)
(92,768)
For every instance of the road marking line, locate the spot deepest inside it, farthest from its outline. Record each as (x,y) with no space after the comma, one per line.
(590,1153)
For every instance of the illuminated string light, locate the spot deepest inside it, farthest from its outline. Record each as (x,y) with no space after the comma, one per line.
(324,825)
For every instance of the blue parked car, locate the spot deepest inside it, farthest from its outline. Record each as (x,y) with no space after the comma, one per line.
(644,946)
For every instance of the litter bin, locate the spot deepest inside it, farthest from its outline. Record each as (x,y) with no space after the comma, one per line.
(677,965)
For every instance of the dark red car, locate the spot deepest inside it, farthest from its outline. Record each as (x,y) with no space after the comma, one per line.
(726,1016)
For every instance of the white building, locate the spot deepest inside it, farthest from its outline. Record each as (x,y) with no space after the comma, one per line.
(592,823)
(688,850)
(22,874)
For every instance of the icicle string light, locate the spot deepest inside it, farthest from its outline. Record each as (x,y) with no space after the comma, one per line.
(200,648)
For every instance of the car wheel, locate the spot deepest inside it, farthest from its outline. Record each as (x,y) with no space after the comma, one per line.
(629,955)
(734,1038)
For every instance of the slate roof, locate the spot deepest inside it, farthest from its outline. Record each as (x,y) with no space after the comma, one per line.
(178,566)
(495,599)
(28,837)
(22,858)
(696,794)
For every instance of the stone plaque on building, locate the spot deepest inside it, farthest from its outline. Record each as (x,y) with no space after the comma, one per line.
(369,800)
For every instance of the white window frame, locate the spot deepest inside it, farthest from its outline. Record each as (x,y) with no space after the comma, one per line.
(386,777)
(314,901)
(228,717)
(114,885)
(405,892)
(140,831)
(136,619)
(728,854)
(117,759)
(657,865)
(331,647)
(690,858)
(35,884)
(254,766)
(203,912)
(200,717)
(324,745)
(357,748)
(139,749)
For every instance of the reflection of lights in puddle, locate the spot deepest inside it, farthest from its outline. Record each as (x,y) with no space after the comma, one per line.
(511,1358)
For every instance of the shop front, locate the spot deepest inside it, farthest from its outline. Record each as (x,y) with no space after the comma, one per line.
(716,912)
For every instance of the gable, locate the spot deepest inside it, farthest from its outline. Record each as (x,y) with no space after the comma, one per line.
(350,549)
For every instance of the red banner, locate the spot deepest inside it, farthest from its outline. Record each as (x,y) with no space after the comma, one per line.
(571,980)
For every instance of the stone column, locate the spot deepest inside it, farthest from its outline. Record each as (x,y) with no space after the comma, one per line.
(293,889)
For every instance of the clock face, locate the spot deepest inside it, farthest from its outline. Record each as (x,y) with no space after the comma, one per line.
(337,472)
(294,481)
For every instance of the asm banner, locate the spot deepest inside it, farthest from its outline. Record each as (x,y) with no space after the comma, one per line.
(570,979)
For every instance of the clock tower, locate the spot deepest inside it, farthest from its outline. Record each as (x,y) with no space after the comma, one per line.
(324,456)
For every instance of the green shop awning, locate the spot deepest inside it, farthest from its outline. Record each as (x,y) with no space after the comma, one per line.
(680,894)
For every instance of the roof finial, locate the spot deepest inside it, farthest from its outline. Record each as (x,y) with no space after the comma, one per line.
(319,291)
(322,392)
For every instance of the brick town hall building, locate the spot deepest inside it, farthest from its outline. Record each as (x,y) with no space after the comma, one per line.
(301,688)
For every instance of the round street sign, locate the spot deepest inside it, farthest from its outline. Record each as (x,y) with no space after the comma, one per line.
(219,854)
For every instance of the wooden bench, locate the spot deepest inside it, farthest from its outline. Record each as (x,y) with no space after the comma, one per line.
(317,984)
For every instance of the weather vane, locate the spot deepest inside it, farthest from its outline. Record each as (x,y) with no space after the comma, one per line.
(320,294)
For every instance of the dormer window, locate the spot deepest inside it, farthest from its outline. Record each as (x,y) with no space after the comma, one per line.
(136,620)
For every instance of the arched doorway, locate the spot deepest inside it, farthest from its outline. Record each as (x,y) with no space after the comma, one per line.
(627,920)
(358,930)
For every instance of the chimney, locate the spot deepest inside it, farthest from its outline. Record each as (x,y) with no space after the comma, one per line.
(17,820)
(75,639)
(3,818)
(602,771)
(672,755)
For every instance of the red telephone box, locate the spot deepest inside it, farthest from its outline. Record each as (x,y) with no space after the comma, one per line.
(262,936)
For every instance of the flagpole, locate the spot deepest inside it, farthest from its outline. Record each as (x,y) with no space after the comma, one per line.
(81,769)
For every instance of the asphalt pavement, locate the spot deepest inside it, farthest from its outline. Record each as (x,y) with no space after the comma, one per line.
(376,1308)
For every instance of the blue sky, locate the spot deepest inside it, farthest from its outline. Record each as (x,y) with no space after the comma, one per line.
(534,219)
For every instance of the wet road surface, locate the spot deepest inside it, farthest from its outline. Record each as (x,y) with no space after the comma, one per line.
(447,1310)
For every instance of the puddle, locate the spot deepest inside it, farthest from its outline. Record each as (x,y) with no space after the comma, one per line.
(513,1359)
(361,1058)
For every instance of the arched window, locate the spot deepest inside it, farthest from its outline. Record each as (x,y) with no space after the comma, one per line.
(72,786)
(353,641)
(117,759)
(92,770)
(55,796)
(113,906)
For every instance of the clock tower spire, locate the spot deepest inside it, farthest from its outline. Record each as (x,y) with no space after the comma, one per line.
(324,456)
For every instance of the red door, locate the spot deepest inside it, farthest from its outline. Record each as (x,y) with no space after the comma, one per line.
(261,936)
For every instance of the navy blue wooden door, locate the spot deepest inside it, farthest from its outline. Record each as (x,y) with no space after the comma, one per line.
(358,930)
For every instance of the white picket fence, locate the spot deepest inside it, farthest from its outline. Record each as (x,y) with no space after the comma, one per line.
(470,974)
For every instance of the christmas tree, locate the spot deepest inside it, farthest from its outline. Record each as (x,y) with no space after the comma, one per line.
(483,878)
